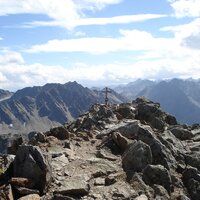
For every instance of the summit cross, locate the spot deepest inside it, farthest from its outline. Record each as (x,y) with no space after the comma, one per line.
(106,91)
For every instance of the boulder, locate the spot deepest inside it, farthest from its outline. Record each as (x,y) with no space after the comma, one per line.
(14,145)
(192,159)
(121,141)
(74,186)
(150,112)
(157,174)
(32,164)
(60,133)
(181,133)
(157,123)
(191,179)
(35,137)
(125,111)
(137,157)
(160,193)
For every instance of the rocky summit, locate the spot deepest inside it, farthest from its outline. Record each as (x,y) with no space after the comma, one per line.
(123,151)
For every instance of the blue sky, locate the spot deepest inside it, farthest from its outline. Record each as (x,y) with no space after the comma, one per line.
(97,42)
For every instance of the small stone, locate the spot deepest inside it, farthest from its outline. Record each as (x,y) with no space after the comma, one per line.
(30,197)
(6,193)
(141,197)
(99,181)
(18,181)
(25,191)
(74,186)
(68,145)
(61,197)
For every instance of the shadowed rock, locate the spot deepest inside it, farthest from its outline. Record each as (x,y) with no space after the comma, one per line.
(31,163)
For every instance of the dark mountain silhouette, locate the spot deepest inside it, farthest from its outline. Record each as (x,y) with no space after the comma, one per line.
(39,108)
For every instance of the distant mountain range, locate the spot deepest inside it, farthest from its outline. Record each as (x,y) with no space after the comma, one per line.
(180,98)
(40,108)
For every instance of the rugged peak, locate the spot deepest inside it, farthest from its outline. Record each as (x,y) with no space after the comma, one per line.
(39,108)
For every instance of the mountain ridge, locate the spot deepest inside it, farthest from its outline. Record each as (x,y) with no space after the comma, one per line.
(52,104)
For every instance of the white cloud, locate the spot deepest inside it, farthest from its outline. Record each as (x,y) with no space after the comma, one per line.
(16,75)
(125,19)
(131,40)
(118,19)
(187,34)
(95,4)
(11,57)
(67,13)
(186,8)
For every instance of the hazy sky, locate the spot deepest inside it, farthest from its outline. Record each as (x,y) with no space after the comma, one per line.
(97,41)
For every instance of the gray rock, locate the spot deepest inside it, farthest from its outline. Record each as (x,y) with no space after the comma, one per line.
(76,186)
(30,197)
(183,197)
(35,137)
(157,123)
(125,111)
(121,141)
(181,133)
(31,163)
(59,132)
(99,181)
(137,157)
(25,191)
(141,197)
(191,179)
(157,174)
(193,159)
(61,197)
(160,193)
(14,145)
(161,155)
(139,185)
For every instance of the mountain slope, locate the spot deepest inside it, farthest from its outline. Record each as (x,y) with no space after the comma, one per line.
(39,108)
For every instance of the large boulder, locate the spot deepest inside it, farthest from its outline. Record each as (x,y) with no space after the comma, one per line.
(137,157)
(31,163)
(125,111)
(150,112)
(160,154)
(121,141)
(181,133)
(59,132)
(157,174)
(191,179)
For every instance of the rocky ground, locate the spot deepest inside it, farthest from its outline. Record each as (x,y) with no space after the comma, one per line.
(126,151)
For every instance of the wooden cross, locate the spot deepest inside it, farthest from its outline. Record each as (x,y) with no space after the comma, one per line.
(106,91)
